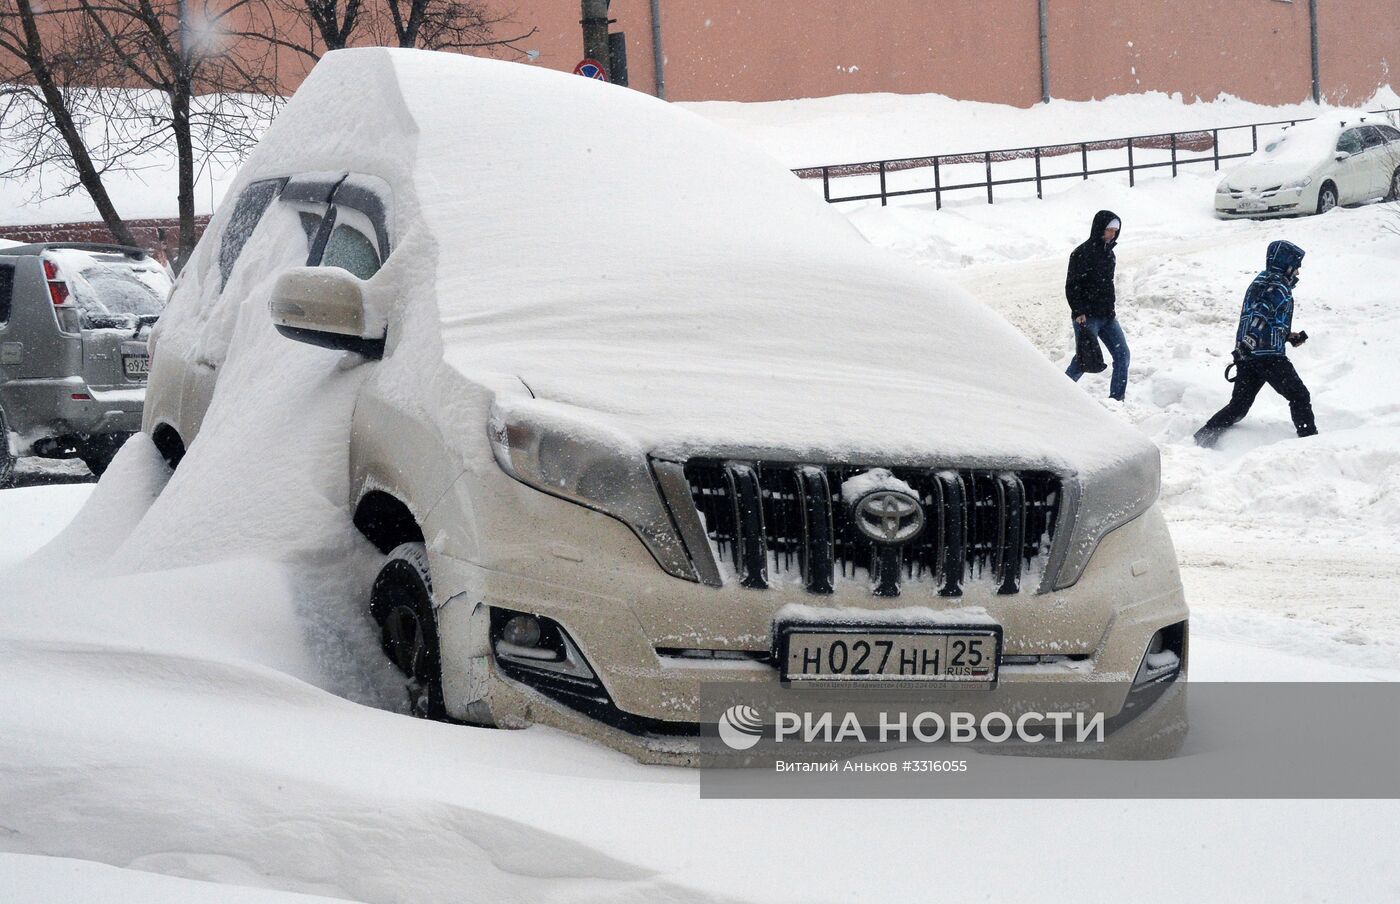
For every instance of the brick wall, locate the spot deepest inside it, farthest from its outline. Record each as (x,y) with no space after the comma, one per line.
(158,236)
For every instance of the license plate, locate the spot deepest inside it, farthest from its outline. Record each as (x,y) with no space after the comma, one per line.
(1246,206)
(961,656)
(137,365)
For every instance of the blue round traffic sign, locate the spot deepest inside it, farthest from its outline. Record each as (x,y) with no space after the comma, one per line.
(591,69)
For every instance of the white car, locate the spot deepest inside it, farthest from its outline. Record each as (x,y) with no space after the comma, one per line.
(626,413)
(1312,167)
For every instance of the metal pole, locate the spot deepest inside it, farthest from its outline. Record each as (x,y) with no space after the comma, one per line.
(595,30)
(658,58)
(1045,51)
(1316,68)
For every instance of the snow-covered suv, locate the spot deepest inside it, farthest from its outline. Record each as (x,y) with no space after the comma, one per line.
(73,324)
(628,414)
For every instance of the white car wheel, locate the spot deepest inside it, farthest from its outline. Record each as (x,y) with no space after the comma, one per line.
(1394,194)
(1326,198)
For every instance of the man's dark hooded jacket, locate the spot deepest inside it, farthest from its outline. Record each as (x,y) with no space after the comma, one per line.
(1089,282)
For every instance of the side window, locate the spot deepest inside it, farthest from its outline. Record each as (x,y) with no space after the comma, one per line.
(1350,142)
(252,204)
(351,249)
(7,285)
(1389,133)
(1371,137)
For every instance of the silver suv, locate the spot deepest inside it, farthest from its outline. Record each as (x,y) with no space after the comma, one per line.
(74,318)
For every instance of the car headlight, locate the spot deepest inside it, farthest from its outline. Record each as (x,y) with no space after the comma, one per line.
(1108,498)
(592,466)
(1297,184)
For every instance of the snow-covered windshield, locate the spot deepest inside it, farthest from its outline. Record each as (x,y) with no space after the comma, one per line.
(1306,143)
(112,290)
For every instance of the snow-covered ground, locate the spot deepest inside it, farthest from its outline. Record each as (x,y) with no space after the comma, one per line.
(1271,529)
(230,721)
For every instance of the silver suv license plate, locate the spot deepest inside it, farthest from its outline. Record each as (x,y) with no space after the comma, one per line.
(965,657)
(136,365)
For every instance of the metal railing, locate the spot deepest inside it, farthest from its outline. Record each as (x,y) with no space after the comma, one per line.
(1202,144)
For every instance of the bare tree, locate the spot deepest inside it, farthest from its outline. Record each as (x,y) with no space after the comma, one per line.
(43,102)
(205,91)
(457,25)
(173,76)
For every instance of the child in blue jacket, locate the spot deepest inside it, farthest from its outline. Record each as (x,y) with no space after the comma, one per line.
(1266,324)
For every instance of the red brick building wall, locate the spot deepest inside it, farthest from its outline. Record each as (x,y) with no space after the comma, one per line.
(159,236)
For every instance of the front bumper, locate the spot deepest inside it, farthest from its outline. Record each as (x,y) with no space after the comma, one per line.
(1094,632)
(44,411)
(1246,206)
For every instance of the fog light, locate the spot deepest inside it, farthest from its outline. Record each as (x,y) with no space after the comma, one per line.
(536,643)
(522,631)
(1162,660)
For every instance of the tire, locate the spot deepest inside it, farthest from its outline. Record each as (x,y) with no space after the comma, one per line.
(98,451)
(7,458)
(402,605)
(1326,197)
(1394,193)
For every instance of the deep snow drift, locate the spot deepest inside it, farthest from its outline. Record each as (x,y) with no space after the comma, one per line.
(209,721)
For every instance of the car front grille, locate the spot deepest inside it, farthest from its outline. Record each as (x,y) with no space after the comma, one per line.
(774,521)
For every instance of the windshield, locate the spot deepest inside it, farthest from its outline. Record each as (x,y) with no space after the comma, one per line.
(1305,143)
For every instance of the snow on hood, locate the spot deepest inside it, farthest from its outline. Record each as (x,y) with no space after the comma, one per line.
(634,264)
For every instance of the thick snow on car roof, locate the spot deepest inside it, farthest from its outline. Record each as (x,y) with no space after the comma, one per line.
(635,264)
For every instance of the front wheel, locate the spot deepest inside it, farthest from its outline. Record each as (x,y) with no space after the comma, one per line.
(1326,198)
(1394,193)
(402,604)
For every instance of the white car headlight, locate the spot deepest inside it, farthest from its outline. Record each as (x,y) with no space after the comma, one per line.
(1108,498)
(592,466)
(1297,184)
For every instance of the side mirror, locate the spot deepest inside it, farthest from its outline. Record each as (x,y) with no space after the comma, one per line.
(1342,155)
(325,306)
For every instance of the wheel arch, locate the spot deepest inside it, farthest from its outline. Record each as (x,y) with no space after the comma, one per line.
(168,442)
(386,521)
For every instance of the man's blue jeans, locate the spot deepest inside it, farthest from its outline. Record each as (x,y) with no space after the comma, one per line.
(1111,335)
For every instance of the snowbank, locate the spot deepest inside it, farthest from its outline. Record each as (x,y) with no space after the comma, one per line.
(856,127)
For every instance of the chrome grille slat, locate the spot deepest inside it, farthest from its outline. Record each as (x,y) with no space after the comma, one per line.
(954,523)
(1013,540)
(750,539)
(816,529)
(788,520)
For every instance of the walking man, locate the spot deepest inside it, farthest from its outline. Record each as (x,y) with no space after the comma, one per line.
(1089,291)
(1266,324)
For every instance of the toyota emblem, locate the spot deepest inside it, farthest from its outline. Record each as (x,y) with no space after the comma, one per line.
(889,516)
